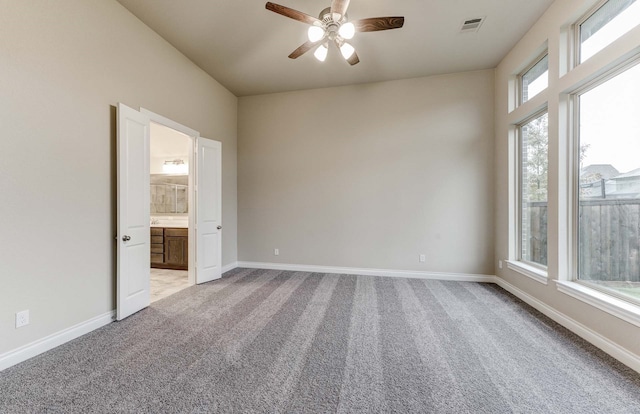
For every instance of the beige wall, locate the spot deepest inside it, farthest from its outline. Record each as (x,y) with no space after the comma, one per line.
(64,65)
(554,28)
(370,176)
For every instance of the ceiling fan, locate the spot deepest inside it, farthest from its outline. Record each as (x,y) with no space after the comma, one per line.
(333,26)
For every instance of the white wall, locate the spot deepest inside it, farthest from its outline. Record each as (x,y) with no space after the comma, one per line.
(370,176)
(554,27)
(64,66)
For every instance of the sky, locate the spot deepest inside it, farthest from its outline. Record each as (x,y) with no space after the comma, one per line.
(610,113)
(621,24)
(610,122)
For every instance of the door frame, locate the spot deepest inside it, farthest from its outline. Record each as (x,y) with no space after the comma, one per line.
(194,135)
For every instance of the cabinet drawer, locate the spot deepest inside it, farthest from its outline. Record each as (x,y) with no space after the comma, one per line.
(156,231)
(157,248)
(157,258)
(157,239)
(176,232)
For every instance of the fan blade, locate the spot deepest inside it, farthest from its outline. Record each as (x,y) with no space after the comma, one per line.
(374,24)
(353,59)
(292,14)
(339,7)
(305,47)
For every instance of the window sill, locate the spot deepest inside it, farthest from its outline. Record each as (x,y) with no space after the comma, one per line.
(617,307)
(529,271)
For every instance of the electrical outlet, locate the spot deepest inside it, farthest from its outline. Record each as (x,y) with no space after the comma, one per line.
(22,318)
(500,264)
(422,258)
(276,252)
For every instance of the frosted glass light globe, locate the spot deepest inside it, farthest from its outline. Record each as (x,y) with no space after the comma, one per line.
(347,50)
(315,33)
(347,31)
(321,53)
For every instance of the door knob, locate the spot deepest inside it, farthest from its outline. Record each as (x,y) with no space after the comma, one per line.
(126,238)
(219,227)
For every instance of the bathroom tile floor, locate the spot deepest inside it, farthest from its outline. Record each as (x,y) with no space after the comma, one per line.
(165,282)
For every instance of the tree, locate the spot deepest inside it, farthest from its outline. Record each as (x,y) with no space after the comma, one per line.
(535,155)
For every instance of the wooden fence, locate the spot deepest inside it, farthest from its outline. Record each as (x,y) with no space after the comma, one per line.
(608,238)
(537,238)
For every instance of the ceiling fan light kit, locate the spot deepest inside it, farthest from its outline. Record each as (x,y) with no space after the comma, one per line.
(315,33)
(321,53)
(333,26)
(347,50)
(347,30)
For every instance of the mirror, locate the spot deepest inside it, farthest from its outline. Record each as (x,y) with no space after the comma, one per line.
(169,194)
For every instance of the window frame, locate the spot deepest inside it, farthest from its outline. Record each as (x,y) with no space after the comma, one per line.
(530,266)
(577,44)
(575,179)
(520,77)
(559,37)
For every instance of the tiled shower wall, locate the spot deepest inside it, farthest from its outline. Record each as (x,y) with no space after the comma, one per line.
(169,194)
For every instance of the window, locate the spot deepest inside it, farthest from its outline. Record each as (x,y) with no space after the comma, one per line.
(613,19)
(533,163)
(535,79)
(608,250)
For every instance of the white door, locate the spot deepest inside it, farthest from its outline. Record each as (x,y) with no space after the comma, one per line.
(133,293)
(208,210)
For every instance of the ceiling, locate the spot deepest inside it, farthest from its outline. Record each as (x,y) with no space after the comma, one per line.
(245,47)
(168,143)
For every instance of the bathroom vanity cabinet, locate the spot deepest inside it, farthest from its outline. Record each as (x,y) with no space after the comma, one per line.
(169,248)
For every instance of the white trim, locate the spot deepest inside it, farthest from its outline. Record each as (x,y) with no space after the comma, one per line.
(193,135)
(539,275)
(621,354)
(159,119)
(619,308)
(459,277)
(39,346)
(228,267)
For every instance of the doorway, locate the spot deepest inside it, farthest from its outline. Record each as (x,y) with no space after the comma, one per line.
(170,158)
(204,196)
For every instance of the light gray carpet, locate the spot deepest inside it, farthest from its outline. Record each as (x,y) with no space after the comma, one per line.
(272,341)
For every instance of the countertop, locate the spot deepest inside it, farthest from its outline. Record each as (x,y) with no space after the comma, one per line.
(170,221)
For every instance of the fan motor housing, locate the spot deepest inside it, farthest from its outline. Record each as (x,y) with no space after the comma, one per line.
(328,20)
(330,25)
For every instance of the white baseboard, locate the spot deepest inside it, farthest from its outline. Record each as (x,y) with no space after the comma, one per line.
(458,277)
(621,354)
(229,266)
(39,346)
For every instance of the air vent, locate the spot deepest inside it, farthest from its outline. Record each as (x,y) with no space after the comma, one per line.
(471,25)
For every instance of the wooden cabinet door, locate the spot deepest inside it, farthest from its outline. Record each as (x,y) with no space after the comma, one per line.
(176,251)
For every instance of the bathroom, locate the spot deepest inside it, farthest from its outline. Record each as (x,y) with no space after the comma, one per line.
(169,210)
